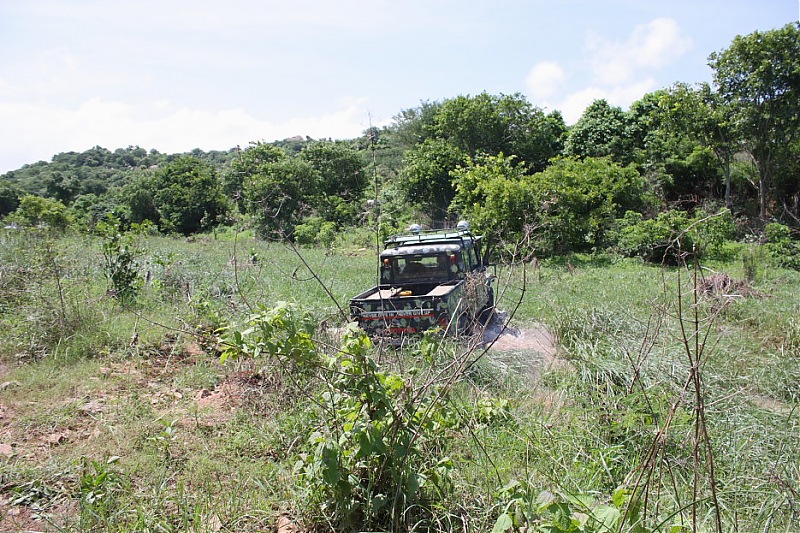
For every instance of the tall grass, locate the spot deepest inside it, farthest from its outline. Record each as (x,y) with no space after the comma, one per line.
(611,425)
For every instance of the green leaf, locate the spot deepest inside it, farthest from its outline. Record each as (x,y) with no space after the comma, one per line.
(509,487)
(607,516)
(618,496)
(543,500)
(678,528)
(413,482)
(504,523)
(364,445)
(330,473)
(379,502)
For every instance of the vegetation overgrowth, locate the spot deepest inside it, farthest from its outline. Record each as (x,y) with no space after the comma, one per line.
(175,354)
(227,394)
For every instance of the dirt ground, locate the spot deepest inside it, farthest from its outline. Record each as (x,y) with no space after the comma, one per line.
(527,350)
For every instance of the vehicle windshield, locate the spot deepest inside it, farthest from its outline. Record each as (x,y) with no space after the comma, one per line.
(418,268)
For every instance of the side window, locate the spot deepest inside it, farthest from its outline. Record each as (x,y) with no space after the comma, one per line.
(388,270)
(473,260)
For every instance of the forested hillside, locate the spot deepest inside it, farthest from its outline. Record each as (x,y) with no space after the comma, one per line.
(623,180)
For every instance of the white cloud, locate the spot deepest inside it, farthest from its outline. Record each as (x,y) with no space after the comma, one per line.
(574,104)
(650,46)
(544,80)
(625,95)
(621,71)
(159,125)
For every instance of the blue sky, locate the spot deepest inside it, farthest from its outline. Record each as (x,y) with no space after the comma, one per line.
(176,75)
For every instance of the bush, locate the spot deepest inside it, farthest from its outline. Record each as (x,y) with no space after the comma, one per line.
(374,454)
(570,206)
(672,234)
(657,239)
(782,249)
(712,231)
(372,451)
(315,230)
(35,210)
(120,251)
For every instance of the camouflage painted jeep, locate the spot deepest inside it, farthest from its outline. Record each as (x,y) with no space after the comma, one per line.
(427,279)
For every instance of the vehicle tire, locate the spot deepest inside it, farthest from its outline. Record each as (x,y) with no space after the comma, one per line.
(465,323)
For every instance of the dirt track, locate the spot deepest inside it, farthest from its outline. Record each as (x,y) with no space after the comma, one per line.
(527,350)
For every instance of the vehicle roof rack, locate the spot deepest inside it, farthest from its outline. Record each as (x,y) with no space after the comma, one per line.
(421,236)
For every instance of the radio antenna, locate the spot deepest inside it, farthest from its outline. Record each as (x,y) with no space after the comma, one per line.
(376,206)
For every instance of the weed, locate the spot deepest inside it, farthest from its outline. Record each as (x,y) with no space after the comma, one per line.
(164,439)
(282,333)
(369,459)
(100,488)
(752,261)
(120,253)
(783,250)
(562,513)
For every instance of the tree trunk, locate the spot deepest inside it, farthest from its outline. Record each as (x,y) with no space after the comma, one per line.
(763,187)
(728,200)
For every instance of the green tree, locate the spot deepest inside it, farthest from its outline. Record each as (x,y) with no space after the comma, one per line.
(467,127)
(91,208)
(759,76)
(474,124)
(138,200)
(61,186)
(414,126)
(9,198)
(579,201)
(669,145)
(36,210)
(249,163)
(497,197)
(341,179)
(278,195)
(540,138)
(692,125)
(786,181)
(602,131)
(718,132)
(569,206)
(426,178)
(188,196)
(506,124)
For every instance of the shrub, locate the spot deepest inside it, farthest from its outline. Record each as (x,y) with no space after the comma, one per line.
(120,255)
(782,249)
(672,234)
(571,205)
(315,230)
(372,455)
(374,448)
(656,239)
(711,231)
(35,210)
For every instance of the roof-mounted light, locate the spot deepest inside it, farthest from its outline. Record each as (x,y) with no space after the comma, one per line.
(415,229)
(463,226)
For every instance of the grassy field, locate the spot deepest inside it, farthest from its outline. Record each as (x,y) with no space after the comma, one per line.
(665,408)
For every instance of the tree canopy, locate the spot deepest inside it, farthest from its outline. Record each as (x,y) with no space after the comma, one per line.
(188,197)
(495,158)
(758,76)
